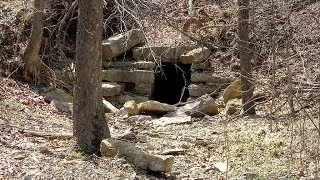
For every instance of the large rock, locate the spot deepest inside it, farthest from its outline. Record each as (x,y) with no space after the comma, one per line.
(233,106)
(141,65)
(233,91)
(110,89)
(165,53)
(58,95)
(116,75)
(209,78)
(136,156)
(155,107)
(131,107)
(197,90)
(195,56)
(204,105)
(121,43)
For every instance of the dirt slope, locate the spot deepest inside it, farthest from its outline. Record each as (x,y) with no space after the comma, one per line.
(247,143)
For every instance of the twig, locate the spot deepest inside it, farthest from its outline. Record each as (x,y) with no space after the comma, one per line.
(308,115)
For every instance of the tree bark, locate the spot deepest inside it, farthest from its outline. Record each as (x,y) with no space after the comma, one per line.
(245,57)
(89,122)
(34,68)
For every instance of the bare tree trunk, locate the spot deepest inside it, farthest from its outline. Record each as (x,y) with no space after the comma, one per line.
(35,69)
(89,122)
(289,75)
(245,57)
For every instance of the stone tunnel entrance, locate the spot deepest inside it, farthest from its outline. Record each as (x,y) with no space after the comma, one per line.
(171,82)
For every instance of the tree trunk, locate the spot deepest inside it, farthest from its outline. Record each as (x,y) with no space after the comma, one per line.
(34,68)
(89,122)
(245,57)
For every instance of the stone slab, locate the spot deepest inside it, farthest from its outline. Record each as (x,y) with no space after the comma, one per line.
(125,65)
(163,53)
(209,78)
(163,121)
(121,43)
(115,75)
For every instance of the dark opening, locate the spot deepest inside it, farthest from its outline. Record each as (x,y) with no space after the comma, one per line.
(171,83)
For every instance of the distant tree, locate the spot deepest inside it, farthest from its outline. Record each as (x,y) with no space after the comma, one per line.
(89,122)
(34,68)
(245,57)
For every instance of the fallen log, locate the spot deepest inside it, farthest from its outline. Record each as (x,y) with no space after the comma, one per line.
(136,156)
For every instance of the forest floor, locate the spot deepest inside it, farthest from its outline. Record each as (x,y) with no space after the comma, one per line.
(264,146)
(247,144)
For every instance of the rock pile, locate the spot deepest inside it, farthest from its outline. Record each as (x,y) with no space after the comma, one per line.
(129,69)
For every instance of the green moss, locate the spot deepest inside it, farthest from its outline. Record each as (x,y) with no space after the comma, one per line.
(275,153)
(77,154)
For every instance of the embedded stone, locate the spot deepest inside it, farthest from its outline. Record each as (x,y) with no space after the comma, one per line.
(141,65)
(209,78)
(116,75)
